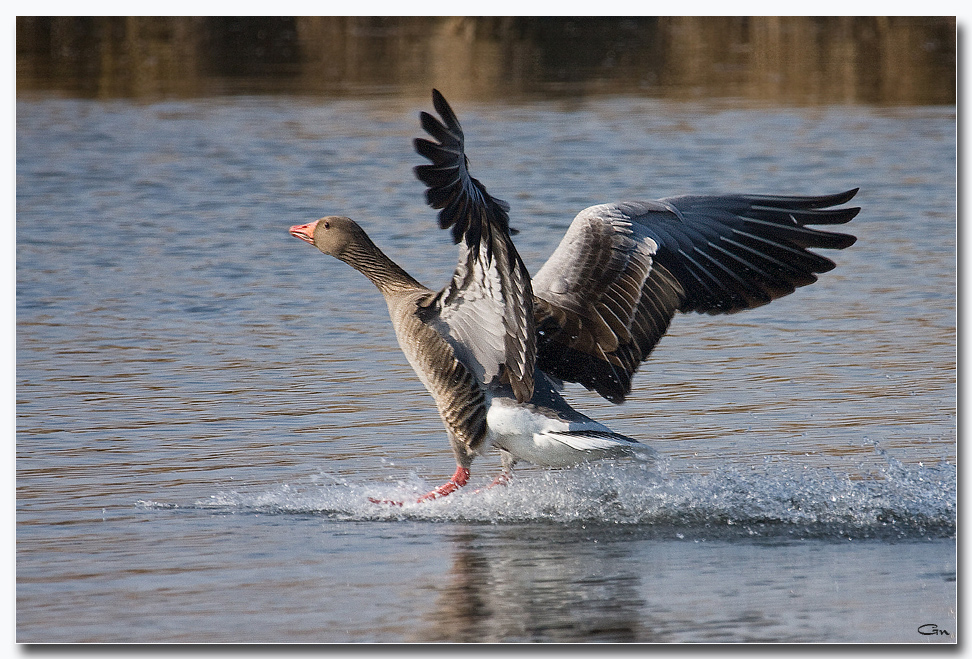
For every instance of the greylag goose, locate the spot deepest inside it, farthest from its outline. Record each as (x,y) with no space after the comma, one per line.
(494,346)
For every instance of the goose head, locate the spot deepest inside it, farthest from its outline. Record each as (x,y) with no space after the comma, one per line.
(333,235)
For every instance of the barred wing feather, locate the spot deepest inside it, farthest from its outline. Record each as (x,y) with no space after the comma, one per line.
(609,291)
(486,311)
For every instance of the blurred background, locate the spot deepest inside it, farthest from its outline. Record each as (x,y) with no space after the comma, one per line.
(789,60)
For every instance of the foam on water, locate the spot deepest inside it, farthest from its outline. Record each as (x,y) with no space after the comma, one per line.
(782,498)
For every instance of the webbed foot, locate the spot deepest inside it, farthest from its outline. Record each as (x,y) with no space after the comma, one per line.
(460,478)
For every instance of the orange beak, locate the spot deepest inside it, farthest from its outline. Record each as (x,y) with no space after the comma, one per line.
(304,231)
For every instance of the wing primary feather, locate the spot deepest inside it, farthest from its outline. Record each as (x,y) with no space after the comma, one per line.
(490,294)
(612,286)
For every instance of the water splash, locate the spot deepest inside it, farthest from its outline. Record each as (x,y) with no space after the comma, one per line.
(784,498)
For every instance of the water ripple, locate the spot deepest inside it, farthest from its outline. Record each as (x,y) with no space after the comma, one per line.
(785,499)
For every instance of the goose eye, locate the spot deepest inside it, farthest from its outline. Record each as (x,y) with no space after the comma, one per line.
(327,225)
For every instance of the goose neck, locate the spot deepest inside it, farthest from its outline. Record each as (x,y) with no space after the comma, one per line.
(384,273)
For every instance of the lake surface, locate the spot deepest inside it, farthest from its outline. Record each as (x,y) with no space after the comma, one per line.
(205,404)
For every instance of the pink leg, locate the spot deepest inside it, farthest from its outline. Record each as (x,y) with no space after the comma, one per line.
(458,480)
(503,479)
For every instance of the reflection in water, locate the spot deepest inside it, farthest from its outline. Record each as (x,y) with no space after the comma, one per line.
(536,583)
(605,583)
(791,60)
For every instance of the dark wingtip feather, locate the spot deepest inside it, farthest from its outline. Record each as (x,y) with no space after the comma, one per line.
(843,240)
(444,109)
(734,252)
(826,201)
(438,130)
(844,197)
(462,200)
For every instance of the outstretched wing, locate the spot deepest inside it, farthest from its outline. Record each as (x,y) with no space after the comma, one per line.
(737,252)
(486,311)
(602,302)
(609,291)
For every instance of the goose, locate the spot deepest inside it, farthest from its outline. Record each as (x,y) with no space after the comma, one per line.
(495,345)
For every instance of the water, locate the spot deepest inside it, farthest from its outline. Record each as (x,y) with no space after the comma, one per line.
(205,404)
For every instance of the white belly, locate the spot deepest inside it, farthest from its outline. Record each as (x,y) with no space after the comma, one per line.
(552,442)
